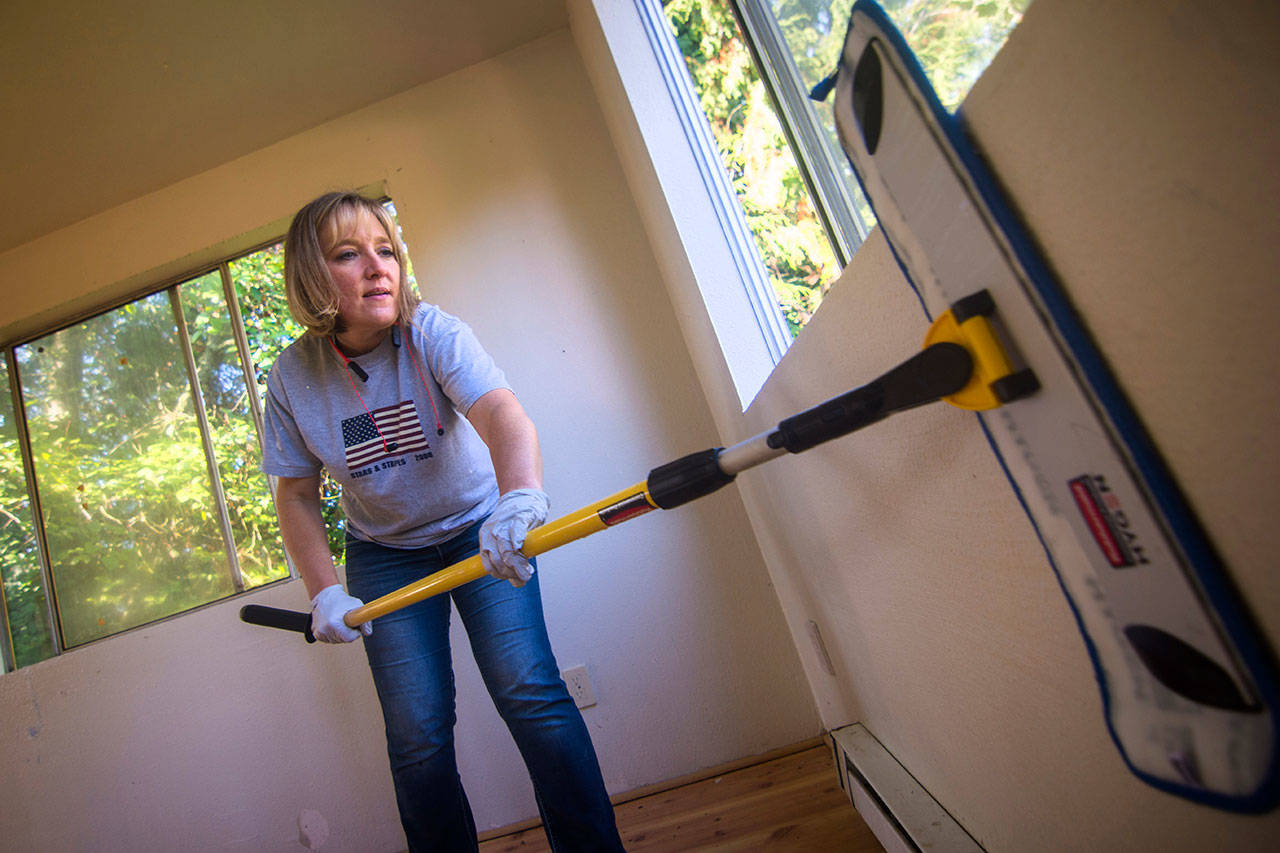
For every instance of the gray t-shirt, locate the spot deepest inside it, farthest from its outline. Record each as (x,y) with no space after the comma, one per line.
(403,485)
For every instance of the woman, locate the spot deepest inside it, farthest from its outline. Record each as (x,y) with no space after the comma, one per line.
(399,403)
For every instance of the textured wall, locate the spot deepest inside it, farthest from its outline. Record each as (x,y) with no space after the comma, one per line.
(1139,141)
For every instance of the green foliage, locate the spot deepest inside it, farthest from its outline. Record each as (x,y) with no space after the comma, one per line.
(229,413)
(124,488)
(756,155)
(954,40)
(259,284)
(23,583)
(128,505)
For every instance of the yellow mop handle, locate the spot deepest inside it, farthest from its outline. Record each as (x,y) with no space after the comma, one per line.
(612,510)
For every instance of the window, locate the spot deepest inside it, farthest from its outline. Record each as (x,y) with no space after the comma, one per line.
(131,482)
(752,63)
(258,279)
(130,478)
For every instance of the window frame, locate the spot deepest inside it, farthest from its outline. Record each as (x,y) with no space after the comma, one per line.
(739,240)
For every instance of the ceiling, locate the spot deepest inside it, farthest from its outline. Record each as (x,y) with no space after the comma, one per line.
(106,100)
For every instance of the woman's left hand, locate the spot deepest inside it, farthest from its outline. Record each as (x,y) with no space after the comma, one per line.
(504,532)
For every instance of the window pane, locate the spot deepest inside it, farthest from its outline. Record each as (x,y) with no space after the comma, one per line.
(755,152)
(815,30)
(24,594)
(129,517)
(259,284)
(390,207)
(955,41)
(231,426)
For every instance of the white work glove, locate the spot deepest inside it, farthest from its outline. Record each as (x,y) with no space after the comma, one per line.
(503,534)
(327,610)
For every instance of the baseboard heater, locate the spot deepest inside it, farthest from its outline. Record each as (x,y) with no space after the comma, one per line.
(897,809)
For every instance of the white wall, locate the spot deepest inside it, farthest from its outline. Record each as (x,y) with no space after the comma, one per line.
(1139,141)
(204,733)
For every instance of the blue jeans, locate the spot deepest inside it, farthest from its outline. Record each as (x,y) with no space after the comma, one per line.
(413,670)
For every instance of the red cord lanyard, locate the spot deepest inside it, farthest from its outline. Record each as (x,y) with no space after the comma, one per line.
(352,367)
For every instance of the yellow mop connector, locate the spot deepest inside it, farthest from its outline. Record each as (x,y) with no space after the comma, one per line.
(994,381)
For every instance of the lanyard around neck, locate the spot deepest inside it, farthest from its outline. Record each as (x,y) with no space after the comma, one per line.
(353,367)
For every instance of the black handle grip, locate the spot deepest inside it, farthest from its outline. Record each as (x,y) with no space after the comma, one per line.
(934,372)
(688,478)
(275,617)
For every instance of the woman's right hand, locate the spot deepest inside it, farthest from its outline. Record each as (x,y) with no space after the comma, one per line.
(327,610)
(503,534)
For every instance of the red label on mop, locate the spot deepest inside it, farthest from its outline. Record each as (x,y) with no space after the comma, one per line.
(1101,523)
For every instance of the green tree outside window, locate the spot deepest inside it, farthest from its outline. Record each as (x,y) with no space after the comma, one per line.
(954,40)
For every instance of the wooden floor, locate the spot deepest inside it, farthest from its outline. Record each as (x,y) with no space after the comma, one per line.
(789,803)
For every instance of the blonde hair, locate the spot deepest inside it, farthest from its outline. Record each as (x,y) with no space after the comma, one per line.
(317,227)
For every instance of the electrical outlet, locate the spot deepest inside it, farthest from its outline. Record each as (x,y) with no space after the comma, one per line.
(575,678)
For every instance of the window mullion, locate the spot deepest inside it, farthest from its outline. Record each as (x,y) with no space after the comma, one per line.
(242,347)
(250,375)
(8,657)
(206,438)
(33,496)
(782,81)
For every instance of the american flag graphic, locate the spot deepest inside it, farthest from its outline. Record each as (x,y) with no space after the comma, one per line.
(400,426)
